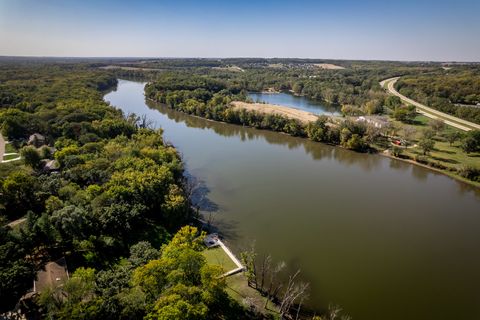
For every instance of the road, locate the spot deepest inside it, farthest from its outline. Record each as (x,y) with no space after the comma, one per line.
(429,112)
(2,147)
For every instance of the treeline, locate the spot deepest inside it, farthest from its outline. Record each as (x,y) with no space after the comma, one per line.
(111,207)
(356,85)
(211,98)
(449,91)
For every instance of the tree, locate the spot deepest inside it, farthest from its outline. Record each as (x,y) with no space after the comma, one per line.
(397,151)
(19,194)
(31,157)
(426,144)
(356,143)
(437,125)
(428,133)
(374,107)
(16,271)
(393,102)
(453,136)
(471,142)
(408,133)
(404,114)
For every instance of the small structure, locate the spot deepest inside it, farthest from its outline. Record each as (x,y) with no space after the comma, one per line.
(212,240)
(37,140)
(51,165)
(376,121)
(54,275)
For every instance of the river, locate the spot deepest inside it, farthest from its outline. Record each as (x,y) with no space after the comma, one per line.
(383,239)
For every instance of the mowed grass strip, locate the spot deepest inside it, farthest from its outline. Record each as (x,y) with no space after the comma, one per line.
(217,256)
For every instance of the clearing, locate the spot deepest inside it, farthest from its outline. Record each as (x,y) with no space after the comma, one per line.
(328,66)
(266,108)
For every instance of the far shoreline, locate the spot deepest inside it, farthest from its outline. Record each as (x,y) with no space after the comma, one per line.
(455,177)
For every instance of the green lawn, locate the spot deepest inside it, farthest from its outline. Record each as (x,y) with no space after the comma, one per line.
(450,156)
(10,156)
(219,257)
(237,284)
(9,148)
(238,289)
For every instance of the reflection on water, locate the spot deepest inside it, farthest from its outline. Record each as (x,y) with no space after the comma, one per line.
(382,238)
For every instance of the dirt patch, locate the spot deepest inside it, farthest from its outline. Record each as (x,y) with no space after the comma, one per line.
(230,68)
(265,108)
(113,67)
(328,66)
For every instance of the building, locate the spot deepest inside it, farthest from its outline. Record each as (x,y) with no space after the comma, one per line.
(376,121)
(37,140)
(54,274)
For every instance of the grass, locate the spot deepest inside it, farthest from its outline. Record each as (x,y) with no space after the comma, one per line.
(238,289)
(9,148)
(217,256)
(444,154)
(10,156)
(237,284)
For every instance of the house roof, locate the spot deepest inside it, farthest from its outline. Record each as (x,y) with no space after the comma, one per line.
(54,274)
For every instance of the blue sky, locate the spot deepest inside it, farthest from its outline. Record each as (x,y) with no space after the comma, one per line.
(342,29)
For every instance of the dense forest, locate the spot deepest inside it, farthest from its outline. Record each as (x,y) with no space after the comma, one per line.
(452,90)
(113,209)
(115,202)
(356,84)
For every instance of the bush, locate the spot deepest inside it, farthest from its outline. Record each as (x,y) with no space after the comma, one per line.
(469,172)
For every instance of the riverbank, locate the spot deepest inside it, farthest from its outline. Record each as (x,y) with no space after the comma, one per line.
(386,153)
(305,118)
(266,186)
(265,108)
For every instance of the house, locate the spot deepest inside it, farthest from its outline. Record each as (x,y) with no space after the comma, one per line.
(37,140)
(51,165)
(211,240)
(376,121)
(54,274)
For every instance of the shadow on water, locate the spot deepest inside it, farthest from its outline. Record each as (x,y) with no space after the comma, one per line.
(199,194)
(318,151)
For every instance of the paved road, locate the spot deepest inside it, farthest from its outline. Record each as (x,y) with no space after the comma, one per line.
(2,147)
(429,112)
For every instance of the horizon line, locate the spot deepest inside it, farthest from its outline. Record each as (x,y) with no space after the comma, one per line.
(233,57)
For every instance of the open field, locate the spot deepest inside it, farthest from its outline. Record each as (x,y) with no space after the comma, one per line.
(229,68)
(328,66)
(265,108)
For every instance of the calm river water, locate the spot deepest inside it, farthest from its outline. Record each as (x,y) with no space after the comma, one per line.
(296,102)
(381,238)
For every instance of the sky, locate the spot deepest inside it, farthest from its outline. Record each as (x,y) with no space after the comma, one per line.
(442,30)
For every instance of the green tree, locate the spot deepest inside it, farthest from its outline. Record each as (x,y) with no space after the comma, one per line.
(471,142)
(426,145)
(19,194)
(31,157)
(437,125)
(453,136)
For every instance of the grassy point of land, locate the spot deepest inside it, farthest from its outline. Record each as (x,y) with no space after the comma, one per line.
(238,289)
(218,256)
(237,284)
